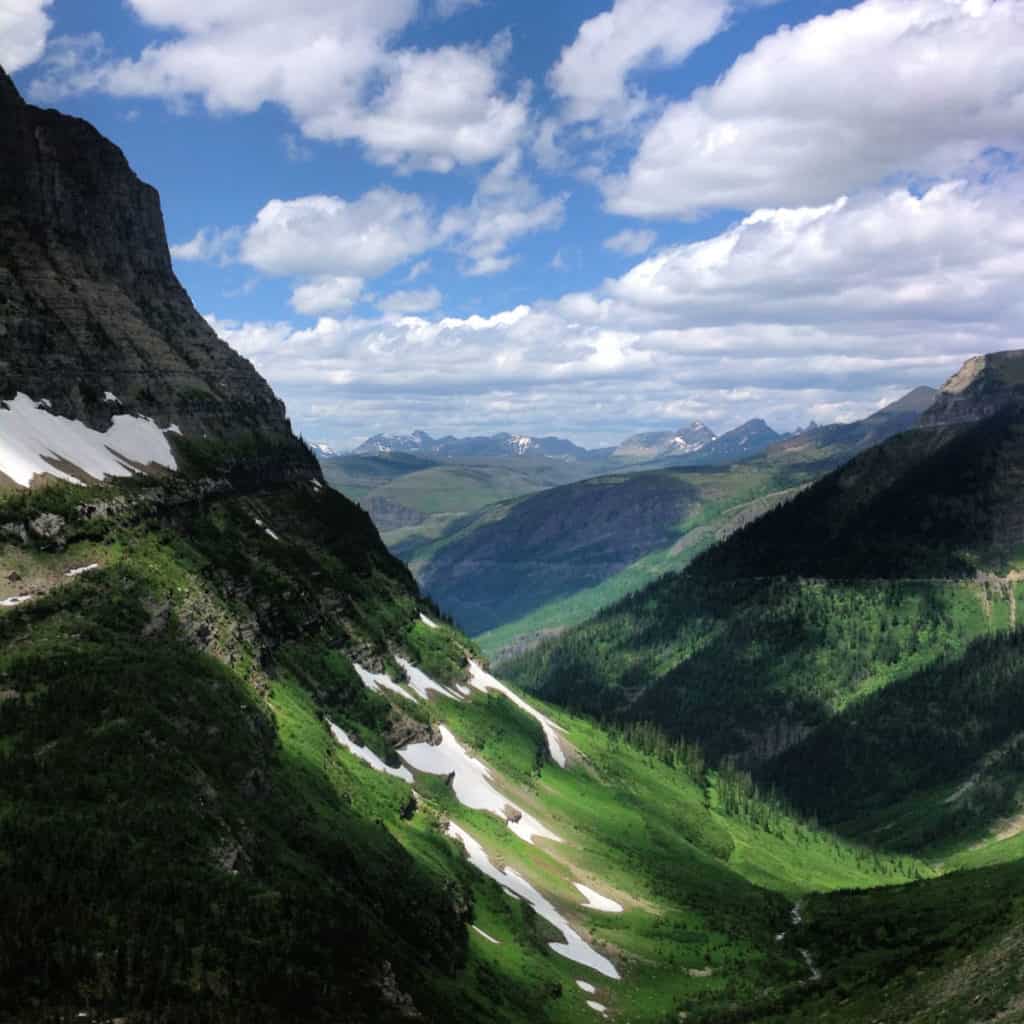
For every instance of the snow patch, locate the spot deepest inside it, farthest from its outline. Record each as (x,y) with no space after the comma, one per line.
(422,683)
(597,1007)
(82,569)
(587,987)
(13,602)
(471,783)
(29,435)
(595,901)
(367,755)
(428,622)
(489,938)
(266,529)
(484,681)
(109,396)
(574,947)
(379,681)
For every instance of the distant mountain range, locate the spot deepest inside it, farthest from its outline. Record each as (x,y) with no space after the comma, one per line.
(695,444)
(517,445)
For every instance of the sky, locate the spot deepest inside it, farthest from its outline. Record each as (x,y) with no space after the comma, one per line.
(583,218)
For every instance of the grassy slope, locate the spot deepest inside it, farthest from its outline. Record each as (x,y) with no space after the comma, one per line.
(642,831)
(171,797)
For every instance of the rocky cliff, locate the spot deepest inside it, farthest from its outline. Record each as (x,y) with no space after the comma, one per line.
(979,389)
(93,323)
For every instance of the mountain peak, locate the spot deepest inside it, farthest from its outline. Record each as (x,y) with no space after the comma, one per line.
(981,387)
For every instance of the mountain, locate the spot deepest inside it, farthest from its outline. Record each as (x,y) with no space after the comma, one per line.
(742,442)
(97,328)
(983,386)
(498,445)
(323,450)
(829,445)
(247,773)
(521,567)
(512,573)
(866,627)
(661,443)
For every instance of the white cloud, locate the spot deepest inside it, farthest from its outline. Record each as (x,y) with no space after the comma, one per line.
(946,257)
(209,245)
(789,314)
(331,65)
(592,74)
(887,88)
(401,302)
(506,206)
(632,241)
(437,108)
(326,295)
(24,26)
(328,235)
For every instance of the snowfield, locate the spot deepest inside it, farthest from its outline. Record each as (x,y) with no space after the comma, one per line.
(573,948)
(422,683)
(471,783)
(367,755)
(484,681)
(428,622)
(30,434)
(595,901)
(378,681)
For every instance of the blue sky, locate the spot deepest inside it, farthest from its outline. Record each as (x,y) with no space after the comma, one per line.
(582,218)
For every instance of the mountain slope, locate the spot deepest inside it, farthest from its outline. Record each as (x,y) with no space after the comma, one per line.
(821,627)
(511,592)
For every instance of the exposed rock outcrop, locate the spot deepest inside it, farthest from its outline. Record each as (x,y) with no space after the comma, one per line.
(979,389)
(92,317)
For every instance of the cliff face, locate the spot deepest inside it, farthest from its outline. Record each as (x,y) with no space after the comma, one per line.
(979,389)
(92,318)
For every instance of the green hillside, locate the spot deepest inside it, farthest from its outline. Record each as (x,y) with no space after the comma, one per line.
(855,645)
(183,836)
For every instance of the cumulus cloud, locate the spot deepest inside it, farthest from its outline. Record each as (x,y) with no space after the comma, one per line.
(506,206)
(24,27)
(791,313)
(887,88)
(327,235)
(631,241)
(592,73)
(326,295)
(945,257)
(421,301)
(332,65)
(209,245)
